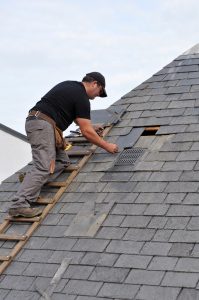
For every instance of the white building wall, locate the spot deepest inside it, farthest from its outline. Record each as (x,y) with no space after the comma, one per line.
(14,154)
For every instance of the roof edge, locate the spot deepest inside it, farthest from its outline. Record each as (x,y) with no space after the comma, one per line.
(13,132)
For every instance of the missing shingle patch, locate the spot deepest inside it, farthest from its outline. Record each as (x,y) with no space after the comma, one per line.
(129,156)
(150,130)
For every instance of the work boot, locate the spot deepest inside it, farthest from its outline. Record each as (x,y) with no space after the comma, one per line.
(26,212)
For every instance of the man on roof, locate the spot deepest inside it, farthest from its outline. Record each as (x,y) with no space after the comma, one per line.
(68,101)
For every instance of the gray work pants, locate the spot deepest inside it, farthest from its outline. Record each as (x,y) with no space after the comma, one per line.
(40,134)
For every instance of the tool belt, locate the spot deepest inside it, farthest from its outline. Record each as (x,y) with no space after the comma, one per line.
(60,142)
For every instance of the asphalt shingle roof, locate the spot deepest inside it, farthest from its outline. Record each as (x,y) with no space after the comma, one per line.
(147,247)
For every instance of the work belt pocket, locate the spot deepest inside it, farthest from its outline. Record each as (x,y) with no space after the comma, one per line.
(60,142)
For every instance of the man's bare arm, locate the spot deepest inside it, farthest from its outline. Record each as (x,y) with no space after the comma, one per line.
(90,134)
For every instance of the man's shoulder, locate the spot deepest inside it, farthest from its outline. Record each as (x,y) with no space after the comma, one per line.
(70,83)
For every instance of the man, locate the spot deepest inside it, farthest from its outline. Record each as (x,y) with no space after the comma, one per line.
(66,102)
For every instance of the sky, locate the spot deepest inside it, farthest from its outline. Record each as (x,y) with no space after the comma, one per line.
(44,42)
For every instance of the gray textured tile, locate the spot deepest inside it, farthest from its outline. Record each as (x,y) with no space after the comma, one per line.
(109,274)
(190,176)
(150,187)
(183,187)
(20,283)
(18,295)
(133,261)
(162,235)
(177,222)
(165,176)
(145,277)
(151,198)
(114,187)
(191,294)
(129,209)
(156,209)
(186,156)
(82,287)
(181,249)
(119,177)
(99,259)
(184,236)
(114,220)
(156,248)
(163,263)
(193,224)
(59,244)
(175,198)
(182,146)
(183,211)
(148,166)
(139,235)
(191,198)
(172,129)
(35,255)
(78,272)
(121,197)
(127,247)
(179,279)
(136,221)
(16,268)
(90,245)
(179,166)
(184,120)
(187,265)
(60,296)
(182,103)
(90,298)
(178,90)
(38,269)
(163,113)
(111,233)
(189,136)
(122,291)
(157,293)
(157,222)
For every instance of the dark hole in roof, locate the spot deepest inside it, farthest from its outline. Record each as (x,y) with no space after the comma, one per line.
(150,130)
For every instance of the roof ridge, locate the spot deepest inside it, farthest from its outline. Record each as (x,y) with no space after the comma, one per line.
(192,50)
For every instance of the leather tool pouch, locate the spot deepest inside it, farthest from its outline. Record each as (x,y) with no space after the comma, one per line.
(60,142)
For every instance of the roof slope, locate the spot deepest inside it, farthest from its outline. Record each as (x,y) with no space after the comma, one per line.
(147,247)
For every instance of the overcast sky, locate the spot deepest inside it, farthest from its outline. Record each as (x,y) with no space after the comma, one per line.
(44,42)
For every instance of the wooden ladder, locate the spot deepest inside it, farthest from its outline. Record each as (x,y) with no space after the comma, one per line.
(49,203)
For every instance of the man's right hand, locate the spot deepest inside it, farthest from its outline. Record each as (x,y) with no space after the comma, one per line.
(112,148)
(90,134)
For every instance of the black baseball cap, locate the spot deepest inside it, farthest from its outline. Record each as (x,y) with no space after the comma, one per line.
(101,79)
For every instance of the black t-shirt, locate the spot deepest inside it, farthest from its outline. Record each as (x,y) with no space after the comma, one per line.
(64,103)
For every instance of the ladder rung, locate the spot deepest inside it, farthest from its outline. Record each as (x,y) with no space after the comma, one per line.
(45,200)
(78,152)
(5,257)
(71,167)
(21,219)
(13,237)
(56,183)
